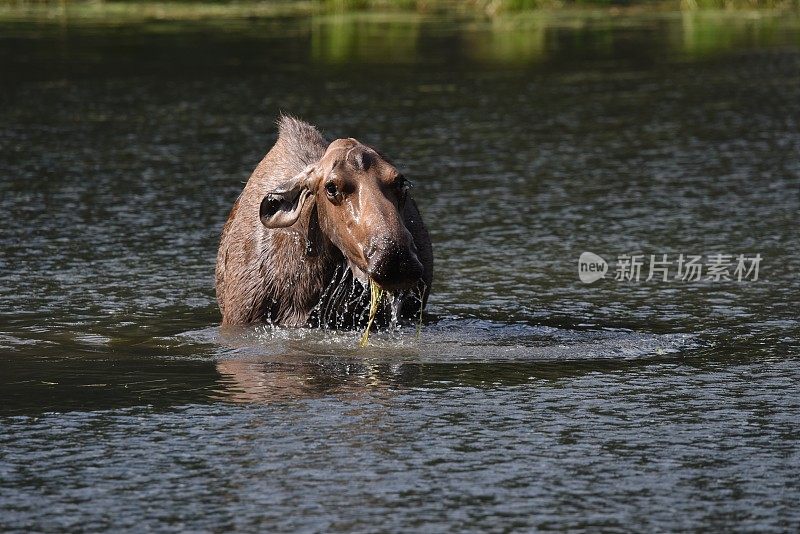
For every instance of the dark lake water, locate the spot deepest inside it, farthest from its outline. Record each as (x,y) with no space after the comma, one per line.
(530,400)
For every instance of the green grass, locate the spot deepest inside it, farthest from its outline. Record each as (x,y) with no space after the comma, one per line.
(126,11)
(739,4)
(204,9)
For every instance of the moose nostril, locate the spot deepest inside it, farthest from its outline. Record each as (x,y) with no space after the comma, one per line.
(369,250)
(395,269)
(379,246)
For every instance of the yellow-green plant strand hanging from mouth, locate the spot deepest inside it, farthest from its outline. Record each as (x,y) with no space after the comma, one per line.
(375,295)
(419,320)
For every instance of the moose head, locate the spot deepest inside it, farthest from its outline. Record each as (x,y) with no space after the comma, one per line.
(360,198)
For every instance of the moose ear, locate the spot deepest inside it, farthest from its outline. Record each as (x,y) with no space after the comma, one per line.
(282,207)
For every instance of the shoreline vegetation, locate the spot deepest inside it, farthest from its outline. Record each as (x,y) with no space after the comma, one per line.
(99,10)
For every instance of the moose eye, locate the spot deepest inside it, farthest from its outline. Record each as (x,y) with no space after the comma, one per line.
(331,189)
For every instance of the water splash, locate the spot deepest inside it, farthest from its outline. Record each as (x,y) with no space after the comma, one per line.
(347,302)
(343,302)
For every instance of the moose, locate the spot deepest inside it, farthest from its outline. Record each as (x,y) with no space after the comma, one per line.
(315,223)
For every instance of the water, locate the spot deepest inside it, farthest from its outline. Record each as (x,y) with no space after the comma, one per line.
(530,400)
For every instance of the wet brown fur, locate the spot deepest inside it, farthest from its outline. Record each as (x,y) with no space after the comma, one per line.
(280,275)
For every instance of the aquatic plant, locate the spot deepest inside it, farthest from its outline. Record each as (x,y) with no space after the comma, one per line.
(376,294)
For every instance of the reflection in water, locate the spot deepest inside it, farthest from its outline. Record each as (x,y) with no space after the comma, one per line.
(289,378)
(250,382)
(509,41)
(531,38)
(365,39)
(371,40)
(275,381)
(707,34)
(268,364)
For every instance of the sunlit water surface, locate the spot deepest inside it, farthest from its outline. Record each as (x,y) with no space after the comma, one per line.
(528,399)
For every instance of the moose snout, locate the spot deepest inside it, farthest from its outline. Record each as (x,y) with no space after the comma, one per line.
(392,265)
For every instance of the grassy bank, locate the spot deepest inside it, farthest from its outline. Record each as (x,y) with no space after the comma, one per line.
(193,10)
